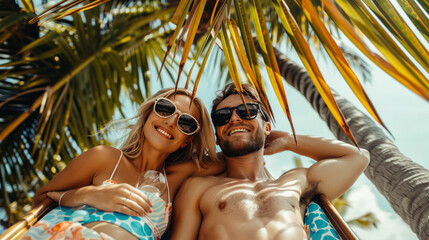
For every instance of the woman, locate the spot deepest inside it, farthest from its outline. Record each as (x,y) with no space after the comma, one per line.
(172,135)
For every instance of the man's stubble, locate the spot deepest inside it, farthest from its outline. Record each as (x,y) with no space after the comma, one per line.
(242,146)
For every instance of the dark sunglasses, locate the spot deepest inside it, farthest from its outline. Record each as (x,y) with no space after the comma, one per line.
(222,116)
(186,123)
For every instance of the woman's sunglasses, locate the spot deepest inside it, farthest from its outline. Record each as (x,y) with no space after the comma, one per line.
(186,123)
(222,116)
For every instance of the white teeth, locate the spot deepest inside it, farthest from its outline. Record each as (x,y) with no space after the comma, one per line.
(164,132)
(238,130)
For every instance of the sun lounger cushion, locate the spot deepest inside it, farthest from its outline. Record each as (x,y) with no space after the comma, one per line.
(318,224)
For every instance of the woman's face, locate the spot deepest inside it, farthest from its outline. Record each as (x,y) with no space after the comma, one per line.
(163,133)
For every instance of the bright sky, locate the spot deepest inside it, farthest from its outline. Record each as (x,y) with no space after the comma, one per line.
(404,113)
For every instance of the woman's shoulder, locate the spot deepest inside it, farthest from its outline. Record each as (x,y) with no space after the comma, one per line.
(101,154)
(103,149)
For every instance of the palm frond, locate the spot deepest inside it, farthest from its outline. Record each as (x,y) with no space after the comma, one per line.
(60,88)
(366,221)
(309,18)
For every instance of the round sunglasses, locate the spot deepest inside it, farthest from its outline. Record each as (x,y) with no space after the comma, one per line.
(186,123)
(222,116)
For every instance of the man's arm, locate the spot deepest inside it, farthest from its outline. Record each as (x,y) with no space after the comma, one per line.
(186,210)
(338,164)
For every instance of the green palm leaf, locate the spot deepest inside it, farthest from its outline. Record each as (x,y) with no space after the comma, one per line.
(301,14)
(417,16)
(90,59)
(67,84)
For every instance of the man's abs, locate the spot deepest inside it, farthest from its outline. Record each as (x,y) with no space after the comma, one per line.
(251,210)
(257,228)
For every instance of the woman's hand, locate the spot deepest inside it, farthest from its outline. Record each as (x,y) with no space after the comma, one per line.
(277,142)
(122,198)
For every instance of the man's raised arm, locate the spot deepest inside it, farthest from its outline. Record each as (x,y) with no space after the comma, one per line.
(186,211)
(338,164)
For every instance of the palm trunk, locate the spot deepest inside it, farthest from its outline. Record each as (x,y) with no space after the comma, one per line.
(405,184)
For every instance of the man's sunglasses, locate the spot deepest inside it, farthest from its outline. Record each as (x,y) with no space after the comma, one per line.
(222,116)
(186,123)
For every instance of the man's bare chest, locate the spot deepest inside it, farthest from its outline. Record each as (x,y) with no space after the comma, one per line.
(247,200)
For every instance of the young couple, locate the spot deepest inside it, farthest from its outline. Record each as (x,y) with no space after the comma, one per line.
(173,135)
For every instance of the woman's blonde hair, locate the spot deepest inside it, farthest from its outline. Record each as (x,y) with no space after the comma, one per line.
(202,147)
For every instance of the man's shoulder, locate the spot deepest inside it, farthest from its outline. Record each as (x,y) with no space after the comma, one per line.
(294,173)
(206,180)
(298,175)
(195,187)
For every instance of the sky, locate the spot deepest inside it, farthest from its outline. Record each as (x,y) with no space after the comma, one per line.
(404,113)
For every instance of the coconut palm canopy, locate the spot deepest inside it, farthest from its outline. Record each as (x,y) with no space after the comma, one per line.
(63,79)
(234,22)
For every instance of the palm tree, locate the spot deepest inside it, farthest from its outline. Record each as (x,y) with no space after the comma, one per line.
(233,21)
(109,47)
(58,88)
(404,183)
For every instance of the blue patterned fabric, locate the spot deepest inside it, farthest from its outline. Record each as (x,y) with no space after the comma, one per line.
(318,224)
(147,228)
(134,225)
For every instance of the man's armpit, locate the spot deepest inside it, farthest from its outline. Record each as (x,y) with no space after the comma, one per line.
(309,193)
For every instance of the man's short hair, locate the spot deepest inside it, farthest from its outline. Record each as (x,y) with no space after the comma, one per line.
(248,90)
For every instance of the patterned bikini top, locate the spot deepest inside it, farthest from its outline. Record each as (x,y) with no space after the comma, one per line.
(157,220)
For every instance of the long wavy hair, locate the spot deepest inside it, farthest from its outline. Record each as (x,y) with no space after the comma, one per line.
(201,149)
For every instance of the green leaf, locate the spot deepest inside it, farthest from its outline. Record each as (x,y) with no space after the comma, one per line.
(304,52)
(369,26)
(351,33)
(338,58)
(417,16)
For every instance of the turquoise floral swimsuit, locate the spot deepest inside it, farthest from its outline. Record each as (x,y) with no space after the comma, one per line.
(70,221)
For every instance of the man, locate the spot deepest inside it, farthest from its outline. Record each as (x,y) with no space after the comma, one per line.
(245,202)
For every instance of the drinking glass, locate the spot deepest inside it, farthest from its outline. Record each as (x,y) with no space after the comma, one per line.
(153,182)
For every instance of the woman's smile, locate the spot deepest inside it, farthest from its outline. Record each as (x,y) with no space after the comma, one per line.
(164,132)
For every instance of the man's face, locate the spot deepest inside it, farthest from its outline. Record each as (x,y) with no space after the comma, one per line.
(240,137)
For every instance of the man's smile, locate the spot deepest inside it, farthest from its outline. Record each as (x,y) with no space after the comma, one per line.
(238,130)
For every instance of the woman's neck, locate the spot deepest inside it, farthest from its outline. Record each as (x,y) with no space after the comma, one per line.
(150,159)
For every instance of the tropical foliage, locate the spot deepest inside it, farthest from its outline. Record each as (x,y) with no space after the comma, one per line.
(234,22)
(404,183)
(64,79)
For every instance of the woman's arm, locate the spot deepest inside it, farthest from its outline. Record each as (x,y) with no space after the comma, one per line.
(75,185)
(78,173)
(210,169)
(122,198)
(178,173)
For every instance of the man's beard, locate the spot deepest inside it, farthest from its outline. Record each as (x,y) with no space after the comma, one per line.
(240,148)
